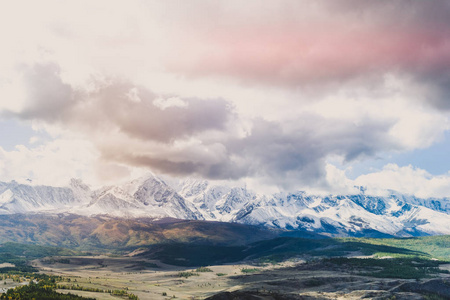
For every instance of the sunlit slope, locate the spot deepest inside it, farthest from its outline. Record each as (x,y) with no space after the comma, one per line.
(90,233)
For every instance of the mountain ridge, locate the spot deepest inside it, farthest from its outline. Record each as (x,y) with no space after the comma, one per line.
(192,199)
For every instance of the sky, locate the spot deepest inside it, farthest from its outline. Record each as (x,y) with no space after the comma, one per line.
(321,96)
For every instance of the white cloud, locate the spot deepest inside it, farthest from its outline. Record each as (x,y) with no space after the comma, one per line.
(164,103)
(130,125)
(396,102)
(407,180)
(240,97)
(34,139)
(53,163)
(12,92)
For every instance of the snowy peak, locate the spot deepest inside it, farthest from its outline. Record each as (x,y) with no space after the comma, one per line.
(190,187)
(151,196)
(78,184)
(236,199)
(21,198)
(336,215)
(147,196)
(154,192)
(352,214)
(81,191)
(215,202)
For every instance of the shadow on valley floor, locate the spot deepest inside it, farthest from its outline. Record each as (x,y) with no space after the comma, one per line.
(269,251)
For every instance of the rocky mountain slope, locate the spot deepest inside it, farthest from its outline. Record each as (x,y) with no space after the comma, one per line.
(150,196)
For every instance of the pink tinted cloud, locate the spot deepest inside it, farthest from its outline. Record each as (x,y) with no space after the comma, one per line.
(343,46)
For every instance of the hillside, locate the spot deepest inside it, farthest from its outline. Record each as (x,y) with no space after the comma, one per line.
(435,246)
(104,232)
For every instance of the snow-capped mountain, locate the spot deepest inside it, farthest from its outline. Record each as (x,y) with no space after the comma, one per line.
(151,196)
(215,202)
(146,196)
(359,214)
(21,198)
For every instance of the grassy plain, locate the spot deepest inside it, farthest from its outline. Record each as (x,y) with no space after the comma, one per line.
(328,278)
(280,268)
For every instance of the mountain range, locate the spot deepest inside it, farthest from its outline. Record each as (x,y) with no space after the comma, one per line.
(152,197)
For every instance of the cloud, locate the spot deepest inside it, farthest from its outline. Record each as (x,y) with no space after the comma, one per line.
(292,154)
(146,119)
(171,134)
(130,125)
(262,91)
(109,106)
(320,43)
(407,180)
(52,163)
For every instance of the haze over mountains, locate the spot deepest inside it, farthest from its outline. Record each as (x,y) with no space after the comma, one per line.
(151,196)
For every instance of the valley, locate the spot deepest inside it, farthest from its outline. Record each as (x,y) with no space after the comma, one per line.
(291,279)
(272,268)
(225,150)
(106,257)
